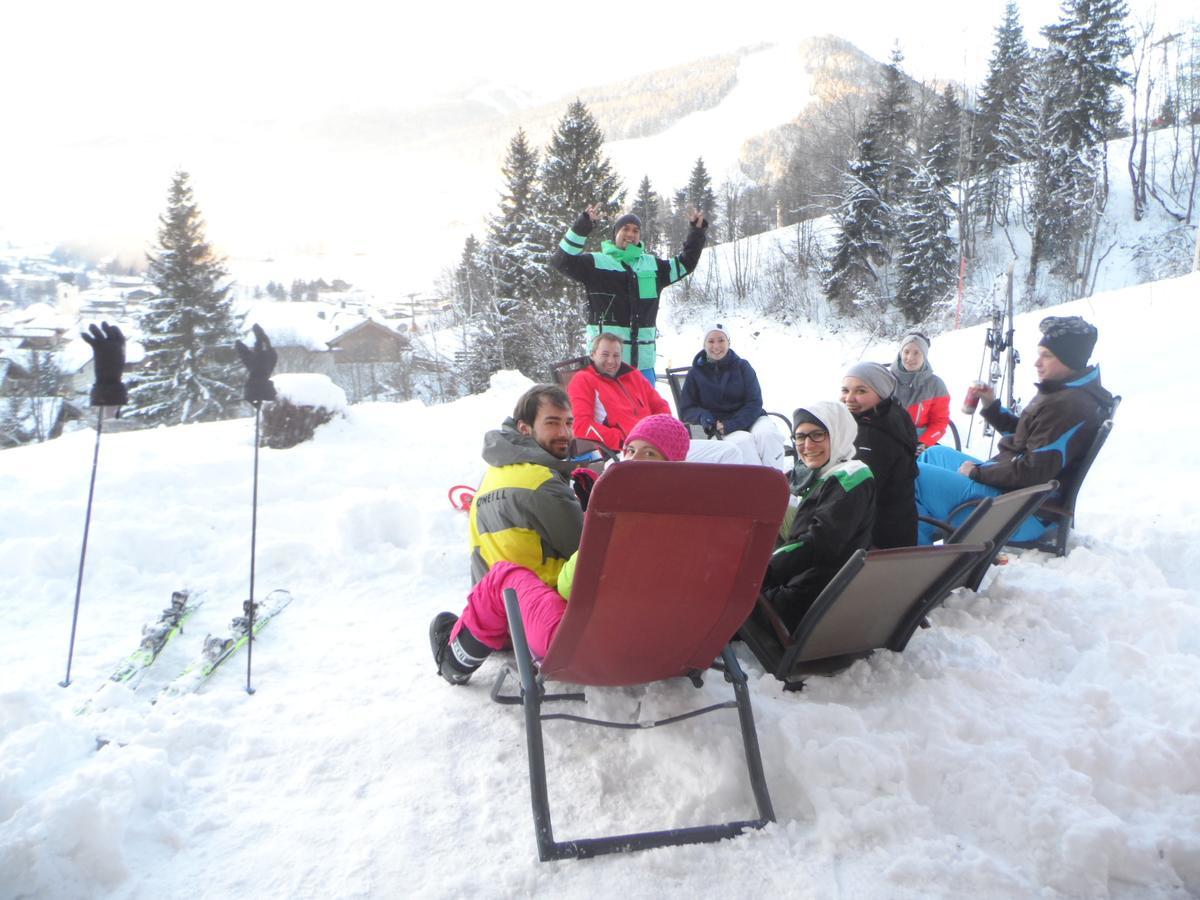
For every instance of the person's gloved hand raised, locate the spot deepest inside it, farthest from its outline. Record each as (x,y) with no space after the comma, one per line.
(260,363)
(108,361)
(582,481)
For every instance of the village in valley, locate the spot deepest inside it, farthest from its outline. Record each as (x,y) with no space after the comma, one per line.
(370,348)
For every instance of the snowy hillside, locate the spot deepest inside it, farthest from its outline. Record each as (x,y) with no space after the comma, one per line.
(1041,739)
(758,274)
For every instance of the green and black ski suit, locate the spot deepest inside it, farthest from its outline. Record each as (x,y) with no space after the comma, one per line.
(623,286)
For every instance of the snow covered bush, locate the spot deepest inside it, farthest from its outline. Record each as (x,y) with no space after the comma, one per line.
(304,403)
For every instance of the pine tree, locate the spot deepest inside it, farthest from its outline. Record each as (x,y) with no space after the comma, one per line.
(942,138)
(1002,110)
(874,191)
(190,371)
(864,226)
(489,327)
(646,207)
(700,196)
(520,275)
(676,227)
(1086,48)
(925,253)
(574,173)
(890,125)
(1077,108)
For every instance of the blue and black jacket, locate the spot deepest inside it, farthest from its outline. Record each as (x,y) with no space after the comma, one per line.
(1051,435)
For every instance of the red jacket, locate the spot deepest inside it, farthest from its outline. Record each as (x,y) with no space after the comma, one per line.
(933,415)
(606,407)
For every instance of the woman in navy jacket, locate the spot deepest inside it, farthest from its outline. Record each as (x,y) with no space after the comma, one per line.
(722,396)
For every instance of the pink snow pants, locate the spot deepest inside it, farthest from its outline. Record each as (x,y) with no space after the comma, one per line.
(542,609)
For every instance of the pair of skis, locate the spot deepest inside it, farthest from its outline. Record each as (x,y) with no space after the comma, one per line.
(216,650)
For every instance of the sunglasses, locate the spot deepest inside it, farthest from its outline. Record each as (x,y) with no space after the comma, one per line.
(817,437)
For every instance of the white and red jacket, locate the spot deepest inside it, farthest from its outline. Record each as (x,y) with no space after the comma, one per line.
(606,407)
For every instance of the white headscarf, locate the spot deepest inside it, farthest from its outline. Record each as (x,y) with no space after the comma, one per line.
(840,424)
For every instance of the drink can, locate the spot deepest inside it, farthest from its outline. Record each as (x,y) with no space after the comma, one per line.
(971,401)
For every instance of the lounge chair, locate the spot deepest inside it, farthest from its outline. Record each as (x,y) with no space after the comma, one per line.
(664,578)
(994,520)
(875,601)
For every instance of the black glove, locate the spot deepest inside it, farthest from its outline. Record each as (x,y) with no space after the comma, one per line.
(583,225)
(259,363)
(582,481)
(108,361)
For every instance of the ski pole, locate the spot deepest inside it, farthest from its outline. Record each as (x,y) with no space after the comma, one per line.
(253,545)
(87,524)
(260,363)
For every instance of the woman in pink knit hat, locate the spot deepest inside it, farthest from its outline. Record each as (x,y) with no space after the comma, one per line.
(484,624)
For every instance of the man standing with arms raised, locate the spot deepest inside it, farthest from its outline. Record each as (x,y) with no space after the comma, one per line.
(624,282)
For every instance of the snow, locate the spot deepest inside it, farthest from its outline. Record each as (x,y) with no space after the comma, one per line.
(310,390)
(306,325)
(1041,739)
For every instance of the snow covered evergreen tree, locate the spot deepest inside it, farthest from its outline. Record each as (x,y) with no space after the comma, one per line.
(925,253)
(647,207)
(1086,47)
(1078,108)
(874,189)
(890,126)
(574,173)
(864,224)
(489,326)
(190,372)
(700,196)
(1002,114)
(940,156)
(517,263)
(676,226)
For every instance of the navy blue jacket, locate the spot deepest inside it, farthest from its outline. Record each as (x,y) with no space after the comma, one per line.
(727,389)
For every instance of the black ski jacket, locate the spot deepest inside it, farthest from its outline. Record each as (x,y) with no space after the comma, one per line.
(887,442)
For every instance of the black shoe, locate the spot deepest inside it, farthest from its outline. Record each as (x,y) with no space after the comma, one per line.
(439,641)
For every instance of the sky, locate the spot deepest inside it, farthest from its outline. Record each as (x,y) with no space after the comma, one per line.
(117,96)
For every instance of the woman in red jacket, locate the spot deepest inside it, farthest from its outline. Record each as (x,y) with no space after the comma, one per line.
(919,391)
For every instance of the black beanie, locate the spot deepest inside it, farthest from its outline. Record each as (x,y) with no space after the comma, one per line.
(803,417)
(1069,338)
(627,219)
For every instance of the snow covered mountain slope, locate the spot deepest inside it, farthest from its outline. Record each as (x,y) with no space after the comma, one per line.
(1041,739)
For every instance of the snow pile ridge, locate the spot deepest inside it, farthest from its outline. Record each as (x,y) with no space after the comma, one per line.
(310,389)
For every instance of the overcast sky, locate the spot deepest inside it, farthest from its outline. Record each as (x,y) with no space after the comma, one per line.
(84,80)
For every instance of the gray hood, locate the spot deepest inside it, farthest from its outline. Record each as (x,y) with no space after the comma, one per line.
(506,446)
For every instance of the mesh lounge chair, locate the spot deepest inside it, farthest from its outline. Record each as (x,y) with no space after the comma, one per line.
(565,370)
(876,601)
(995,520)
(1060,511)
(664,579)
(1057,511)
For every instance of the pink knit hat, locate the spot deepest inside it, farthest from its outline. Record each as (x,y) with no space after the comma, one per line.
(666,433)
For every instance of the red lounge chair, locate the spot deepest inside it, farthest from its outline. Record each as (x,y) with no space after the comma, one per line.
(670,564)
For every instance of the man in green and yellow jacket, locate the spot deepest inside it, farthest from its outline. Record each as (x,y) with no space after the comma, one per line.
(526,510)
(624,282)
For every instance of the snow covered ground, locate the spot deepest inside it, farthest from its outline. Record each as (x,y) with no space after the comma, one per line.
(1041,739)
